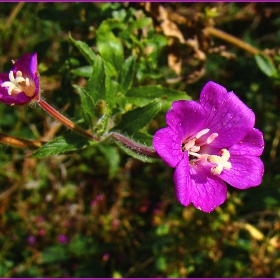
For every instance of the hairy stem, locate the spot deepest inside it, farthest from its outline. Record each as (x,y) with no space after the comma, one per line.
(150,152)
(54,113)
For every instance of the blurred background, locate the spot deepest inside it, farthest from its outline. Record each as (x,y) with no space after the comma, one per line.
(105,214)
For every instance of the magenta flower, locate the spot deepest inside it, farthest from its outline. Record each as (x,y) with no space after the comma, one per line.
(209,142)
(21,85)
(62,239)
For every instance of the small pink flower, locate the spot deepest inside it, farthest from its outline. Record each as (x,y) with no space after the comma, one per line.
(21,85)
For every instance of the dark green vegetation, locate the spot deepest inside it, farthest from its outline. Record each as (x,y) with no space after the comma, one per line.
(98,212)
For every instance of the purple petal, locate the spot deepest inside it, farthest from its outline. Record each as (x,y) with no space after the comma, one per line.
(251,145)
(33,65)
(19,99)
(186,118)
(3,78)
(194,184)
(183,182)
(245,172)
(168,145)
(227,115)
(23,65)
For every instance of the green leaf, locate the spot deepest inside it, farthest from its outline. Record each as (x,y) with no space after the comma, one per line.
(84,49)
(134,120)
(141,23)
(265,65)
(111,87)
(145,94)
(127,73)
(135,154)
(87,105)
(54,254)
(95,86)
(84,71)
(66,143)
(108,45)
(113,157)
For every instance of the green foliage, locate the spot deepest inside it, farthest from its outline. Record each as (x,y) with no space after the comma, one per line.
(66,143)
(134,120)
(265,65)
(116,206)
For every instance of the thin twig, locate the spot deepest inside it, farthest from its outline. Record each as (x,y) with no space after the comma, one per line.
(233,40)
(9,191)
(19,142)
(13,15)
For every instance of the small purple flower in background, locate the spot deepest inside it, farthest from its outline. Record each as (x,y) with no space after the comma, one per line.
(21,85)
(209,142)
(31,240)
(62,239)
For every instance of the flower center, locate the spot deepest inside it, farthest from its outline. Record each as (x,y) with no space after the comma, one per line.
(193,146)
(19,84)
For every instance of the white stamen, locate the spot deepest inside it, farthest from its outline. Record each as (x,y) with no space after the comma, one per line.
(211,138)
(221,161)
(18,84)
(202,132)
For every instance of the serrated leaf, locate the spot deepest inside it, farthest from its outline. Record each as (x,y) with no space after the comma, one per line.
(265,65)
(109,46)
(127,73)
(66,143)
(84,49)
(135,154)
(95,86)
(145,94)
(112,155)
(134,120)
(87,104)
(84,71)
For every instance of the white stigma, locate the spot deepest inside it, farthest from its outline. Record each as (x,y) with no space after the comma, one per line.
(221,161)
(19,84)
(193,147)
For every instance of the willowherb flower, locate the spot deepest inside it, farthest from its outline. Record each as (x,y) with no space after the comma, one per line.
(21,85)
(209,142)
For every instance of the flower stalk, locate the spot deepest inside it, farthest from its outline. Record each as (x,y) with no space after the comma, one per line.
(144,150)
(54,113)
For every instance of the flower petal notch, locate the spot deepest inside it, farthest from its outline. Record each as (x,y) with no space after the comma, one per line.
(21,85)
(211,142)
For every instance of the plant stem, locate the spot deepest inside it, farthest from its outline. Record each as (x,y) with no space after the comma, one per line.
(233,40)
(150,152)
(54,113)
(19,142)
